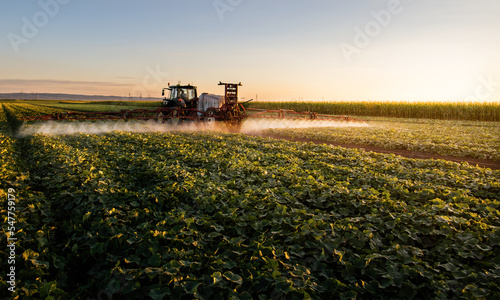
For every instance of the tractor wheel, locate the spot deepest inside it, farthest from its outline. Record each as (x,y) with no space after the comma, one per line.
(209,119)
(174,120)
(209,123)
(161,118)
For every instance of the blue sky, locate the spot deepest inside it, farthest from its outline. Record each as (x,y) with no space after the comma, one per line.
(280,50)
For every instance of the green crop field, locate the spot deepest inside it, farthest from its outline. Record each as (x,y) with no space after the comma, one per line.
(445,137)
(484,111)
(97,105)
(213,215)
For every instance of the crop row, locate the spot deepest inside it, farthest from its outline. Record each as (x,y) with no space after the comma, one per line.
(19,110)
(481,111)
(25,216)
(219,216)
(454,138)
(98,106)
(27,222)
(104,102)
(4,124)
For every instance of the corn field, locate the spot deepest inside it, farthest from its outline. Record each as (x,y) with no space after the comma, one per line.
(487,111)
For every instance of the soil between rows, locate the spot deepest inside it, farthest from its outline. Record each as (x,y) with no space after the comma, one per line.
(483,163)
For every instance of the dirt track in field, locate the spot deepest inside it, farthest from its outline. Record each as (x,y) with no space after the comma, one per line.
(483,163)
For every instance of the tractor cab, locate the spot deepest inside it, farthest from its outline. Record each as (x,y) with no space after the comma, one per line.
(183,96)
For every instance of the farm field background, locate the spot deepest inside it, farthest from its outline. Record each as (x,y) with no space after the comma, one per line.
(460,138)
(472,111)
(94,105)
(473,139)
(215,215)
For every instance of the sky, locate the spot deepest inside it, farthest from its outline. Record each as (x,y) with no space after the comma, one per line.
(302,50)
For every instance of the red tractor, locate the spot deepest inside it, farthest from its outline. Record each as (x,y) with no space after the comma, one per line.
(185,105)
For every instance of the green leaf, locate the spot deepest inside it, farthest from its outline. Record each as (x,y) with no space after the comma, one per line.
(133,259)
(229,264)
(233,277)
(385,283)
(30,290)
(213,234)
(40,263)
(217,276)
(348,295)
(114,286)
(152,272)
(98,248)
(30,255)
(57,263)
(42,242)
(185,263)
(47,288)
(191,287)
(86,216)
(172,271)
(155,260)
(479,292)
(159,293)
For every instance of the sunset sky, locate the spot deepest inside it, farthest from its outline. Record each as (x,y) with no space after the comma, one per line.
(279,49)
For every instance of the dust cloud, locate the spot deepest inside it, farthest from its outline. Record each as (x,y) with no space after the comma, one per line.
(256,125)
(249,126)
(99,127)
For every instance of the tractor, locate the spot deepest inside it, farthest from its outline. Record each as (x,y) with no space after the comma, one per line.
(182,105)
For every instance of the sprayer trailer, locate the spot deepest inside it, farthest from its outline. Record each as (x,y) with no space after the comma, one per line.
(181,104)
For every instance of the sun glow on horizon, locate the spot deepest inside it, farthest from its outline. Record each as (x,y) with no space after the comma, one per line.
(417,51)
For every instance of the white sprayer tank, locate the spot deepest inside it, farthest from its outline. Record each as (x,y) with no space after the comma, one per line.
(207,101)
